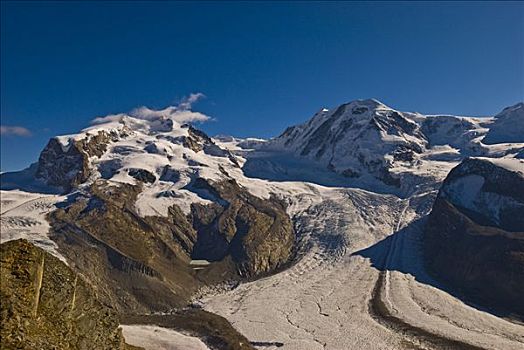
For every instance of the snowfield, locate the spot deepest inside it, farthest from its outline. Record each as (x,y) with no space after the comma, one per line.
(23,216)
(158,338)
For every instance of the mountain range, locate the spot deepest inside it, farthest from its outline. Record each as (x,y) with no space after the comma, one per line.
(364,227)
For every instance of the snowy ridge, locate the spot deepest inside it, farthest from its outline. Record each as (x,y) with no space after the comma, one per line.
(366,138)
(511,164)
(507,126)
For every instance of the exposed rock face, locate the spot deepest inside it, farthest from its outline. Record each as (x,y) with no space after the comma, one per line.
(256,233)
(68,166)
(45,305)
(474,237)
(142,175)
(136,264)
(198,141)
(62,168)
(142,264)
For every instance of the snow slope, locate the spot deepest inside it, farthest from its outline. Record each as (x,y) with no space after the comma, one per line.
(507,126)
(23,216)
(158,338)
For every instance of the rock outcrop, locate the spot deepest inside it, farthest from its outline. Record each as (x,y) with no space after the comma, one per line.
(474,238)
(46,305)
(67,166)
(256,233)
(141,264)
(136,264)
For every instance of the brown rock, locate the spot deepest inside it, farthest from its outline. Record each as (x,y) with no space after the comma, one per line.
(45,305)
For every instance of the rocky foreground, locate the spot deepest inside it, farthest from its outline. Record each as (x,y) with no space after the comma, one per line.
(45,305)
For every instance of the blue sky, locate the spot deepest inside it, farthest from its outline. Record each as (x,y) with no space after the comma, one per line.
(263,66)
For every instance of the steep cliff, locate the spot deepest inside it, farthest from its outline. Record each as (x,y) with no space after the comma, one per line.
(474,237)
(136,264)
(256,233)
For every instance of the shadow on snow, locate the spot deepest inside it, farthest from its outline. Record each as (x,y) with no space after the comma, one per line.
(387,255)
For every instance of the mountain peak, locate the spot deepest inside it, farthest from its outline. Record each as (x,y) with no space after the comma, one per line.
(510,110)
(361,106)
(508,126)
(369,102)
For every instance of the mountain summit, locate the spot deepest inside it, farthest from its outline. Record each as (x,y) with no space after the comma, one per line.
(366,139)
(508,126)
(357,138)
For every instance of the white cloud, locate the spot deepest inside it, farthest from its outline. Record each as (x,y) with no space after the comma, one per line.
(187,102)
(172,112)
(14,131)
(189,116)
(147,113)
(180,113)
(108,119)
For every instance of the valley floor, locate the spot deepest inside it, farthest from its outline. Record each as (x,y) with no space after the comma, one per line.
(359,284)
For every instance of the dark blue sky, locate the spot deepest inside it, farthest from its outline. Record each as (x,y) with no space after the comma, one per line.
(262,66)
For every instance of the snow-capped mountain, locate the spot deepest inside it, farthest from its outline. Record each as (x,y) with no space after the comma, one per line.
(160,153)
(367,138)
(507,126)
(357,138)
